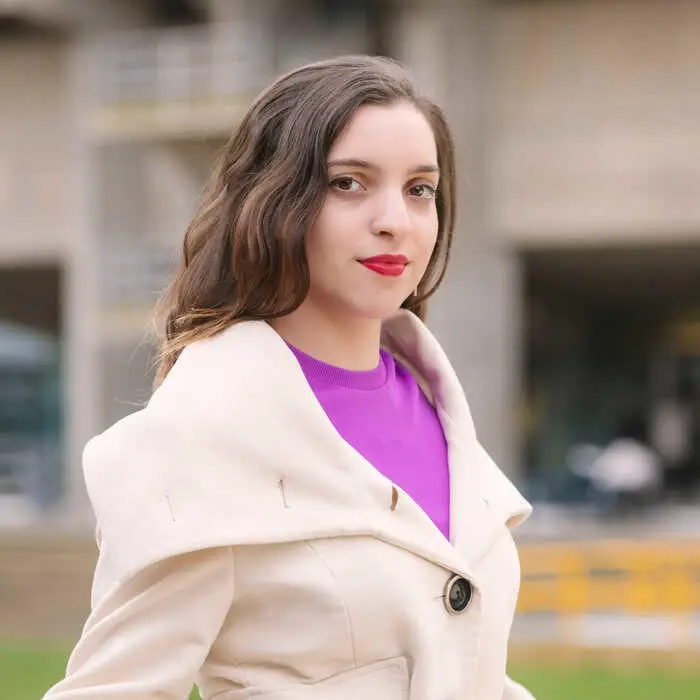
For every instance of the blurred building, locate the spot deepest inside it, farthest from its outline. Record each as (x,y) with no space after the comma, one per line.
(574,294)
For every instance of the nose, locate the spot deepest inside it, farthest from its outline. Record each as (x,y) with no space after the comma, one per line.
(392,216)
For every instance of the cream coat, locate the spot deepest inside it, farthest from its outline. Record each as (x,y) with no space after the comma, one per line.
(244,543)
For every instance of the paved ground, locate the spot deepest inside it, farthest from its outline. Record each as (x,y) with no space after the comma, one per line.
(610,630)
(553,522)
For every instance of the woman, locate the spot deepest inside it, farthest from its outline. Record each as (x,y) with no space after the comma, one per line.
(303,511)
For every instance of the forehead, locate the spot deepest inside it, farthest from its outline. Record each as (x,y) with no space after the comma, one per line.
(387,133)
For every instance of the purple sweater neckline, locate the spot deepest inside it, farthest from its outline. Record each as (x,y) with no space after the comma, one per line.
(316,370)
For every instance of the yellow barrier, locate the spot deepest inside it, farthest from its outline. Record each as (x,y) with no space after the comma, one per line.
(630,577)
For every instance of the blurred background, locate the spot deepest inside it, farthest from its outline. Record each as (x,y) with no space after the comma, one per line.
(571,310)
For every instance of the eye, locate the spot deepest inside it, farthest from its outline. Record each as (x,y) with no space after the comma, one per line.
(346,184)
(423,191)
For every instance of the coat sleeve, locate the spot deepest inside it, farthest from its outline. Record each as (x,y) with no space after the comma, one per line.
(515,691)
(147,637)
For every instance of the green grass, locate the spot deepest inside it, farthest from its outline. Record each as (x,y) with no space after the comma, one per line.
(591,683)
(27,671)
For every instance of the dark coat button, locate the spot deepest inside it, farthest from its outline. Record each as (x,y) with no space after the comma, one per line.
(458,594)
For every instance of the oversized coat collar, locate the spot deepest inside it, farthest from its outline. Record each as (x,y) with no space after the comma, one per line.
(234,449)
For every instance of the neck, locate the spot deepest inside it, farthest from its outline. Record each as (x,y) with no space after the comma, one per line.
(346,343)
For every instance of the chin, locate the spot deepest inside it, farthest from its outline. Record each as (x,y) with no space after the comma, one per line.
(378,312)
(369,307)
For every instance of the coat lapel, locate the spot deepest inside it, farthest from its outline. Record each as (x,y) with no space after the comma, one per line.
(482,500)
(234,448)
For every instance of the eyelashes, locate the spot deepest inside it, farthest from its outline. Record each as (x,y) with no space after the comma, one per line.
(351,185)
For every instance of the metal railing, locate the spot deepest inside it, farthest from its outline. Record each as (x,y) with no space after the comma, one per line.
(626,593)
(635,578)
(136,275)
(182,65)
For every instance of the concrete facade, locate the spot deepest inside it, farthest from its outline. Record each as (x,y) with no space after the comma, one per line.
(37,152)
(594,138)
(576,124)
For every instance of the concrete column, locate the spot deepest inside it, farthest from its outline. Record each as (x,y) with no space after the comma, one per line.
(476,314)
(81,366)
(82,352)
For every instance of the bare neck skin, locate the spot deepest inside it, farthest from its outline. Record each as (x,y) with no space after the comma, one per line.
(350,343)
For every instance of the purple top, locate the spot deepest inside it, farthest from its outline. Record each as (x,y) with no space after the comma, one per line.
(385,416)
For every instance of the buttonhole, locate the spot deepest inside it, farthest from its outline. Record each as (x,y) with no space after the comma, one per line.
(282,491)
(394,497)
(166,498)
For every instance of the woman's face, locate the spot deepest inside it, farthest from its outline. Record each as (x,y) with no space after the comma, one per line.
(372,241)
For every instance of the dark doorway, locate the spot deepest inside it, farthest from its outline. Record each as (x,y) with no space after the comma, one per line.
(30,383)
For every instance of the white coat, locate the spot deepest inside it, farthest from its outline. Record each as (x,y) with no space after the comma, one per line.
(245,545)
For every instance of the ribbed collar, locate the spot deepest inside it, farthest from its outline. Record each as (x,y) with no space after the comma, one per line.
(316,370)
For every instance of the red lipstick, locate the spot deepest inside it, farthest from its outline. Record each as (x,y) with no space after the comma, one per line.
(388,265)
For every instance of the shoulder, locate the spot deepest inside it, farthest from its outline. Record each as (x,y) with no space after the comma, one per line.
(182,473)
(243,358)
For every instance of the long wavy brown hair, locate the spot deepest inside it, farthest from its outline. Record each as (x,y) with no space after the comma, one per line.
(243,256)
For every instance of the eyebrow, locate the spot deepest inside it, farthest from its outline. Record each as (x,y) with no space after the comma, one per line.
(366,165)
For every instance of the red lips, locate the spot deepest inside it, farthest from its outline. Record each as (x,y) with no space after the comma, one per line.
(388,265)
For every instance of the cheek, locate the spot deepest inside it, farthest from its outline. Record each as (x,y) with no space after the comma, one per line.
(330,244)
(334,235)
